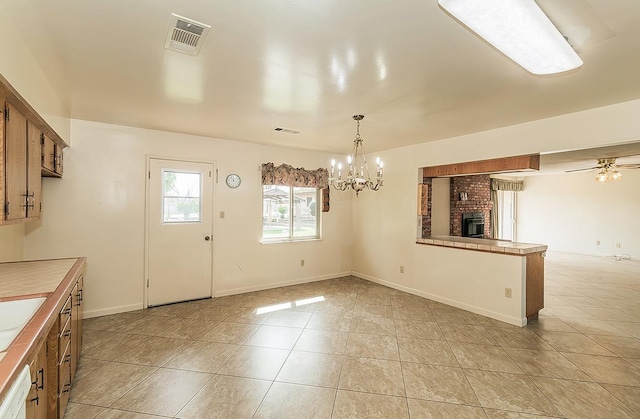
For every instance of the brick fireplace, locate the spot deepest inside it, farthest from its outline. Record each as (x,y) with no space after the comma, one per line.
(470,194)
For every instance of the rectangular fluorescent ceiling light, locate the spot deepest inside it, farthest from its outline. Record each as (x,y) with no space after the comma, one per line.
(520,30)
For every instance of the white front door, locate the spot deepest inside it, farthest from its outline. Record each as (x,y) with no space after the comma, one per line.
(180,231)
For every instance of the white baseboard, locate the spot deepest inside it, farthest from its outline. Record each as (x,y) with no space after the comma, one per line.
(454,303)
(606,255)
(111,310)
(262,287)
(478,310)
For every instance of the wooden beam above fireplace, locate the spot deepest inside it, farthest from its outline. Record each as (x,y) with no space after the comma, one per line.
(525,163)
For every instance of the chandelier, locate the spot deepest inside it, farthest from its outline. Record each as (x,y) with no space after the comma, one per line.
(358,177)
(606,172)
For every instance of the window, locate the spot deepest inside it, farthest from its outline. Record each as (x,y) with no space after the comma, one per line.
(506,215)
(181,197)
(290,213)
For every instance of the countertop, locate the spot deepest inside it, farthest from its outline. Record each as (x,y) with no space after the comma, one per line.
(485,245)
(52,279)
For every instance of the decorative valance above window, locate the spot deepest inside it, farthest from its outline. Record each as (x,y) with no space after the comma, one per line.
(287,175)
(507,185)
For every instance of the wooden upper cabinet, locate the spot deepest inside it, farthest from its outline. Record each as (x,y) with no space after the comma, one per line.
(48,157)
(29,149)
(51,158)
(22,160)
(15,206)
(34,178)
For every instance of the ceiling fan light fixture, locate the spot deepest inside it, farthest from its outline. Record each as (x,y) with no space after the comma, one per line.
(606,174)
(518,29)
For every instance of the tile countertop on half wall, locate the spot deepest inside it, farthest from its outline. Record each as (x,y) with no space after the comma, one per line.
(485,245)
(19,280)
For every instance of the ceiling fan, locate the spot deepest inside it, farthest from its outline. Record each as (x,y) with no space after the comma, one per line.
(607,169)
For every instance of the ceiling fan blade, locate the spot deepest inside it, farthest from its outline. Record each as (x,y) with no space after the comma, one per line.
(627,166)
(582,170)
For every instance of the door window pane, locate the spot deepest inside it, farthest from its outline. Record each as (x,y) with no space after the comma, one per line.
(181,197)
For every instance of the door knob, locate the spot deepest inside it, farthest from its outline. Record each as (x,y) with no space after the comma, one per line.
(207,238)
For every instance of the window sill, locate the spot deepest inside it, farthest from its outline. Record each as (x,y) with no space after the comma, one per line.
(287,241)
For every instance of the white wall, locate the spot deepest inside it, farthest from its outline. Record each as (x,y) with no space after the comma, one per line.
(97,210)
(571,212)
(11,242)
(385,221)
(20,68)
(441,207)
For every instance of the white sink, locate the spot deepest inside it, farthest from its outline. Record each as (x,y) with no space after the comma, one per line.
(14,315)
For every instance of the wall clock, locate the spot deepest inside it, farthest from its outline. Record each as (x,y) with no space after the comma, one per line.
(233,181)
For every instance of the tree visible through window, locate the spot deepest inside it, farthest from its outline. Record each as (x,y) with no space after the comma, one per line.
(181,197)
(289,213)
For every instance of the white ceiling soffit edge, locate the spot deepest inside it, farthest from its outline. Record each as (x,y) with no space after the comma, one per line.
(186,35)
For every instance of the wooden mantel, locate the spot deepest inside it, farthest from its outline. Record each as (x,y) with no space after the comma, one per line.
(527,162)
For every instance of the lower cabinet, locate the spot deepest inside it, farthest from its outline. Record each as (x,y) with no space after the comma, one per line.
(37,398)
(53,367)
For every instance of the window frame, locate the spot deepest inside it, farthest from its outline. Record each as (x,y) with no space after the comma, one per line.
(163,197)
(291,238)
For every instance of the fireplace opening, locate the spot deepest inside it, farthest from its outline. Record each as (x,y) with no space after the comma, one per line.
(473,225)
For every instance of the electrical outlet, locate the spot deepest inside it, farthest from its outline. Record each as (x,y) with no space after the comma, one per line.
(618,245)
(598,242)
(507,292)
(222,215)
(402,269)
(301,262)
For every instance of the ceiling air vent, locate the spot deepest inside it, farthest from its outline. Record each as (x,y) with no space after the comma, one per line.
(287,130)
(186,35)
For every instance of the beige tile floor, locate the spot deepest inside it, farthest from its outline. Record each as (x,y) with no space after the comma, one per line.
(370,351)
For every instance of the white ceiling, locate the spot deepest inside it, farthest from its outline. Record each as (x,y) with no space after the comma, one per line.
(415,73)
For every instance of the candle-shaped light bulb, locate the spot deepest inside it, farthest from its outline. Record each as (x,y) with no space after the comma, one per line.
(339,170)
(378,161)
(349,159)
(361,171)
(381,166)
(333,165)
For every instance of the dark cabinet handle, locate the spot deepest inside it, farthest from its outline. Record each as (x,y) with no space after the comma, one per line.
(39,383)
(41,374)
(207,238)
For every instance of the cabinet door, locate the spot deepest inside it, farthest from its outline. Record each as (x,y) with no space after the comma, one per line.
(48,157)
(74,331)
(79,297)
(37,398)
(34,176)
(16,164)
(59,160)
